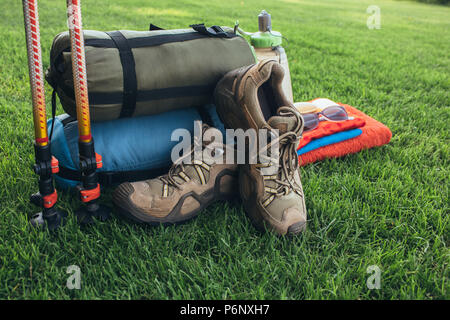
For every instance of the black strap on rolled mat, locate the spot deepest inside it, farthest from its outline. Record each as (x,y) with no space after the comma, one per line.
(143,95)
(67,120)
(213,31)
(151,41)
(175,92)
(154,28)
(205,116)
(110,178)
(64,121)
(129,73)
(53,113)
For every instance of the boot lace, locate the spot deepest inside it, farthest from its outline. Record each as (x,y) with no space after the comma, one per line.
(179,166)
(288,160)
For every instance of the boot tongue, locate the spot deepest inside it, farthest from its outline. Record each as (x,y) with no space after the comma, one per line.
(282,123)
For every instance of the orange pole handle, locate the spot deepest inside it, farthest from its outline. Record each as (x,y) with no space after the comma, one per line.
(79,69)
(32,33)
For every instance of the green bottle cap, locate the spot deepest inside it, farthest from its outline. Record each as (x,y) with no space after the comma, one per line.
(266,39)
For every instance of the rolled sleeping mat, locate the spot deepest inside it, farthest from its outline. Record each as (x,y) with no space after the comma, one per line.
(138,73)
(132,149)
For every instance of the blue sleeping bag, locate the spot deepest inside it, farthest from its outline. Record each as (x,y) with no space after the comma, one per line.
(132,148)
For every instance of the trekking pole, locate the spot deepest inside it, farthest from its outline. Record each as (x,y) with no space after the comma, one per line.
(46,165)
(89,160)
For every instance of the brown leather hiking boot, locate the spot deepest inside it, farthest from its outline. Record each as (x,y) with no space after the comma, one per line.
(252,98)
(184,191)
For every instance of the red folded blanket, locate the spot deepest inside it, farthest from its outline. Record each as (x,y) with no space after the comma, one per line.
(374,134)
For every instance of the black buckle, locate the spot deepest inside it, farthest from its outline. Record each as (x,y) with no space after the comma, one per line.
(106,179)
(213,31)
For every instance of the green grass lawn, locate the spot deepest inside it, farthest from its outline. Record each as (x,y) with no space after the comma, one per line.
(387,206)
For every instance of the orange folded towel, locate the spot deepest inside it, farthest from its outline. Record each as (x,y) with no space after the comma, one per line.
(374,134)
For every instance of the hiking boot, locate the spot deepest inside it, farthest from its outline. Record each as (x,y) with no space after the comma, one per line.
(187,189)
(270,189)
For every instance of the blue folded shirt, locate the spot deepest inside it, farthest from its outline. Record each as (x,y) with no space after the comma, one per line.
(331,139)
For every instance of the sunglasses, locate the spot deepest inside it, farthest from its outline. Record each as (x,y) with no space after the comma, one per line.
(332,113)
